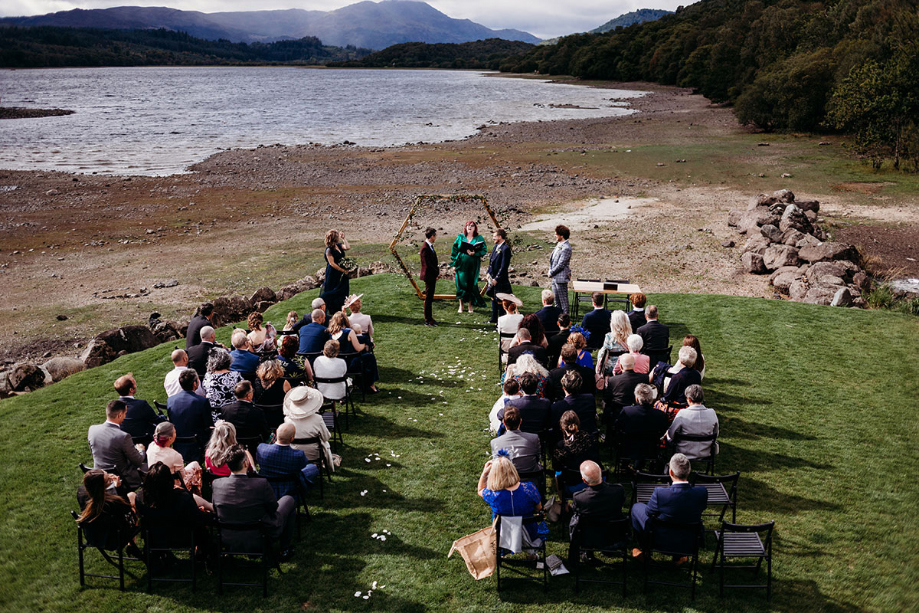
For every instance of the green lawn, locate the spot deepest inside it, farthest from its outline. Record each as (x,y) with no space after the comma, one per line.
(816,407)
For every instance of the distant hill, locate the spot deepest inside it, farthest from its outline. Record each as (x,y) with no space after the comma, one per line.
(374,25)
(481,54)
(623,21)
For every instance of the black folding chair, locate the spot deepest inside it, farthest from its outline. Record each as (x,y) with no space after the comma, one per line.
(722,492)
(503,336)
(708,460)
(100,542)
(673,539)
(274,414)
(164,536)
(298,490)
(609,537)
(250,443)
(330,417)
(347,401)
(321,462)
(264,553)
(538,547)
(744,541)
(537,478)
(356,375)
(160,407)
(644,484)
(207,484)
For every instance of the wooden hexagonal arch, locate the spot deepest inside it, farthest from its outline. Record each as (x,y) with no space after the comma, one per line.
(420,202)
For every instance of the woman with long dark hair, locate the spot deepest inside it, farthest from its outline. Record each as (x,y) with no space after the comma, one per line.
(108,520)
(336,283)
(466,258)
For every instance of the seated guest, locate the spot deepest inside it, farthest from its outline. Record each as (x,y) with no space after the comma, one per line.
(575,447)
(500,486)
(199,354)
(522,447)
(642,362)
(680,502)
(314,335)
(301,408)
(695,420)
(637,315)
(526,345)
(270,384)
(598,500)
(557,341)
(220,381)
(241,500)
(569,355)
(365,362)
(223,438)
(192,416)
(160,450)
(201,319)
(656,337)
(261,337)
(619,390)
(511,390)
(527,364)
(242,359)
(330,366)
(180,363)
(357,318)
(510,321)
(287,352)
(282,460)
(248,419)
(112,448)
(535,412)
(107,519)
(583,404)
(597,321)
(677,378)
(614,343)
(549,313)
(292,319)
(532,324)
(638,428)
(318,304)
(140,420)
(691,341)
(577,340)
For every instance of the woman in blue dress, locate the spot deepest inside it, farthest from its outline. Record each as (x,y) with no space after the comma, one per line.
(335,286)
(501,488)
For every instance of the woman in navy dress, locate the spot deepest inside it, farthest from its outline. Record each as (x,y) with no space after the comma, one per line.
(335,287)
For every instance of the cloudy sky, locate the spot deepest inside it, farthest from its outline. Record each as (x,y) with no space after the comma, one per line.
(544,18)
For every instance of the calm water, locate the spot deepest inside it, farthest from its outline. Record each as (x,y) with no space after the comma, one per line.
(157,121)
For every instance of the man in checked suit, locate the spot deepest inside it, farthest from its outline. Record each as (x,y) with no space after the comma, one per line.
(429,272)
(498,267)
(560,268)
(281,460)
(112,448)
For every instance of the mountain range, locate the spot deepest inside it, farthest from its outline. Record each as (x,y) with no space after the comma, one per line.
(373,25)
(623,21)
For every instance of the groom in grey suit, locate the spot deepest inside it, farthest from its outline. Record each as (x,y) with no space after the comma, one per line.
(559,267)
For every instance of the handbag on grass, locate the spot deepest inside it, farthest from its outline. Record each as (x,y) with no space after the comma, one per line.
(478,551)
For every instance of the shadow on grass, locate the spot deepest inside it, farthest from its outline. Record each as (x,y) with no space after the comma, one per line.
(757,495)
(751,430)
(385,427)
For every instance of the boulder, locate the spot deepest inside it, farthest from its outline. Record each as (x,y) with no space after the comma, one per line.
(5,390)
(728,244)
(129,339)
(811,217)
(798,270)
(820,294)
(807,239)
(756,244)
(861,281)
(62,367)
(772,233)
(843,297)
(753,263)
(734,216)
(166,331)
(228,309)
(808,205)
(263,306)
(827,251)
(797,289)
(821,270)
(752,220)
(777,256)
(287,292)
(762,200)
(793,217)
(791,237)
(783,281)
(784,195)
(320,276)
(379,267)
(25,377)
(97,353)
(364,271)
(263,294)
(819,233)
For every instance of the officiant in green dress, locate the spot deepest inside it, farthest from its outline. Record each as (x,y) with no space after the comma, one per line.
(468,250)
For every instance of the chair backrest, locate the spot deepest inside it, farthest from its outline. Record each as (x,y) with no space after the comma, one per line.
(697,478)
(766,528)
(235,528)
(674,538)
(274,414)
(313,440)
(600,533)
(310,356)
(249,442)
(160,407)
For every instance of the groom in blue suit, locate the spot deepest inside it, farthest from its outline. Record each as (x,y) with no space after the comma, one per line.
(560,267)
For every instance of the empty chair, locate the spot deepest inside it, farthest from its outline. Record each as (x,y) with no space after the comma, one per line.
(722,492)
(745,541)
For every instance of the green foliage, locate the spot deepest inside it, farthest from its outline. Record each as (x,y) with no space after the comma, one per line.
(480,54)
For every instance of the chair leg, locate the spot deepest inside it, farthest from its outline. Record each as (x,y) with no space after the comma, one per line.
(769,578)
(80,558)
(121,568)
(695,565)
(219,566)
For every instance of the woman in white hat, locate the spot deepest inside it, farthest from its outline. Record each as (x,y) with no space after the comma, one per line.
(301,408)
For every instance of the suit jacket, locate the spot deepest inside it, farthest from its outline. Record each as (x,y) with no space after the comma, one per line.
(248,419)
(113,451)
(680,502)
(524,448)
(193,334)
(597,323)
(676,389)
(313,337)
(556,342)
(243,361)
(429,268)
(239,499)
(602,500)
(583,404)
(538,351)
(141,420)
(535,413)
(191,416)
(639,429)
(554,389)
(695,420)
(198,355)
(637,318)
(656,337)
(548,316)
(498,265)
(280,461)
(620,390)
(559,262)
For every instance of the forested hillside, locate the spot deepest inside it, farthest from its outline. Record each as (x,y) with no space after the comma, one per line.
(848,65)
(481,54)
(51,47)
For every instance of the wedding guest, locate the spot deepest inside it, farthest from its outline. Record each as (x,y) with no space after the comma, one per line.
(429,273)
(560,266)
(335,284)
(466,263)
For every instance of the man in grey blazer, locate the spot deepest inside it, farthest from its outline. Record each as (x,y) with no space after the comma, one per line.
(560,267)
(240,499)
(523,447)
(112,448)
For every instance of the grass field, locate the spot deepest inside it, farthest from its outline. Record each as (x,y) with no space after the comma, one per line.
(816,409)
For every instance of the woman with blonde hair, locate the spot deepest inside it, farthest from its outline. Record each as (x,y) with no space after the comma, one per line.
(223,438)
(500,486)
(614,343)
(270,385)
(335,285)
(577,340)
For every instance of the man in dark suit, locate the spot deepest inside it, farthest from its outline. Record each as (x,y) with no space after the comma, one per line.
(523,447)
(498,265)
(202,318)
(680,503)
(191,416)
(535,412)
(241,500)
(112,448)
(282,460)
(638,428)
(656,337)
(248,419)
(141,420)
(557,341)
(429,272)
(597,321)
(600,500)
(314,335)
(554,389)
(199,353)
(619,390)
(637,314)
(549,313)
(526,346)
(583,404)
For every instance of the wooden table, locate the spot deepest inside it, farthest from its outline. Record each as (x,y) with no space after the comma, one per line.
(580,286)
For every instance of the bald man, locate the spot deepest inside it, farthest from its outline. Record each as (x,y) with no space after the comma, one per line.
(179,363)
(282,460)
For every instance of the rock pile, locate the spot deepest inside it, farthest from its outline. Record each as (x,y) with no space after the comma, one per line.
(785,241)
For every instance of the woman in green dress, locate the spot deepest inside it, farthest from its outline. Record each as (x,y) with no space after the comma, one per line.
(466,263)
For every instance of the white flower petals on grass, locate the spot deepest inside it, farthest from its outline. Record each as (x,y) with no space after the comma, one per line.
(364,493)
(357,594)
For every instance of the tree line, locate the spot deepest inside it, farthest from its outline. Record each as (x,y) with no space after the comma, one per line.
(481,54)
(799,65)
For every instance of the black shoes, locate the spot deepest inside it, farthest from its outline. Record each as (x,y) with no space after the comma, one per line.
(432,323)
